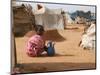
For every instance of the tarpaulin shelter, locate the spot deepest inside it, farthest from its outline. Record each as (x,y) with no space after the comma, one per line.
(49,18)
(88,39)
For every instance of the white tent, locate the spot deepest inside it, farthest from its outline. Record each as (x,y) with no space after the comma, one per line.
(49,18)
(69,20)
(88,39)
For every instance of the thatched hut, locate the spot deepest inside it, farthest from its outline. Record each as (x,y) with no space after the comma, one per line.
(23,19)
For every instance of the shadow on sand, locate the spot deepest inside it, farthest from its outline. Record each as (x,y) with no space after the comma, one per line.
(54,36)
(48,35)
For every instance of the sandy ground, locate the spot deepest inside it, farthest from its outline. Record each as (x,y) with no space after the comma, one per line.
(69,56)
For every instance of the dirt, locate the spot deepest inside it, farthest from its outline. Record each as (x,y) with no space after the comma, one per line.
(69,56)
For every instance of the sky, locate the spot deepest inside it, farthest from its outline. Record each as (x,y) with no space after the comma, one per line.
(67,7)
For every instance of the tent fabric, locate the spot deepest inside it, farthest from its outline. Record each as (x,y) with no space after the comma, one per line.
(88,39)
(50,21)
(46,10)
(69,20)
(39,10)
(49,18)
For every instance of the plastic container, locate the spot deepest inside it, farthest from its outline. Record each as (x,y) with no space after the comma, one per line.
(50,49)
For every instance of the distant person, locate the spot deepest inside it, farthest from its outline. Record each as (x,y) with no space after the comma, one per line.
(36,44)
(64,19)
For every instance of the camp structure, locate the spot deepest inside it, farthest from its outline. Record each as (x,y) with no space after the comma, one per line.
(80,20)
(68,18)
(70,21)
(88,38)
(23,18)
(49,18)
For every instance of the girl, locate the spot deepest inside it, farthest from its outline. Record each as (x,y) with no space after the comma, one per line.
(36,44)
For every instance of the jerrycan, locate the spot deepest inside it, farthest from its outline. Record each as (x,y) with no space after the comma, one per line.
(50,49)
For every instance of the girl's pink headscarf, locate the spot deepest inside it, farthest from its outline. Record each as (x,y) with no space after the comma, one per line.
(35,45)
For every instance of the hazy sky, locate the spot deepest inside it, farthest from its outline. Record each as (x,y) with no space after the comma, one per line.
(68,8)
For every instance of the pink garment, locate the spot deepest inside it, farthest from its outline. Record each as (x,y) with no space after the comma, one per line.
(35,45)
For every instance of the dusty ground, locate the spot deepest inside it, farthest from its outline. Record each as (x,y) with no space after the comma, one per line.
(69,56)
